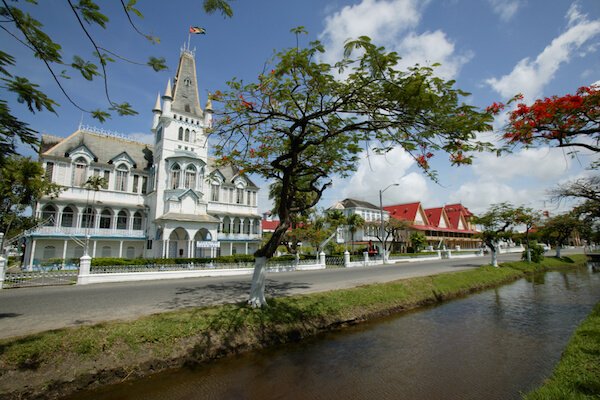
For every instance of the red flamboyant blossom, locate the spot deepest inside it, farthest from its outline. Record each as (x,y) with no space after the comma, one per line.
(570,120)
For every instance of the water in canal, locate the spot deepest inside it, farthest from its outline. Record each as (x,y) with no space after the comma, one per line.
(492,345)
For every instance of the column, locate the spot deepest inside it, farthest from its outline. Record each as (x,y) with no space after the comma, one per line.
(31,257)
(120,249)
(230,248)
(165,248)
(190,248)
(95,243)
(246,248)
(64,254)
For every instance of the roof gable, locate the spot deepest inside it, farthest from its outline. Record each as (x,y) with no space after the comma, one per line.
(412,212)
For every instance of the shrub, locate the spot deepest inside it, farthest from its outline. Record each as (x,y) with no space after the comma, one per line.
(537,252)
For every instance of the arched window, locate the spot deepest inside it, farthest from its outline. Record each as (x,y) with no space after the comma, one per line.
(180,135)
(105,219)
(137,221)
(79,172)
(122,220)
(130,252)
(175,176)
(159,134)
(193,137)
(87,219)
(106,251)
(190,177)
(247,226)
(215,189)
(122,174)
(67,217)
(187,135)
(49,215)
(237,225)
(226,225)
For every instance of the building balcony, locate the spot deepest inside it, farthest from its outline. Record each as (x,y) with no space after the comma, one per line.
(91,232)
(238,236)
(82,196)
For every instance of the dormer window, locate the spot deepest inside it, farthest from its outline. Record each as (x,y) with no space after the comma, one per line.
(79,172)
(121,175)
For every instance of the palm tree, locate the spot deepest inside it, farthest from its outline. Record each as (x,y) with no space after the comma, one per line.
(354,222)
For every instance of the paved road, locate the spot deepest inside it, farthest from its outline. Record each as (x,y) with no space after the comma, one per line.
(30,310)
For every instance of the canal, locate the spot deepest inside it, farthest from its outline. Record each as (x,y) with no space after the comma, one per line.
(492,345)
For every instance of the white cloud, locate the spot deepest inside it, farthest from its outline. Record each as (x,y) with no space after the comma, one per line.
(505,9)
(376,172)
(479,195)
(531,76)
(392,24)
(542,164)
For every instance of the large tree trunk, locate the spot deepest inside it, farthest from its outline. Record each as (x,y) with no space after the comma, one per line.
(494,252)
(558,246)
(257,290)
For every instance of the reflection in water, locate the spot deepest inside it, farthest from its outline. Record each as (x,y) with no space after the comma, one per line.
(491,345)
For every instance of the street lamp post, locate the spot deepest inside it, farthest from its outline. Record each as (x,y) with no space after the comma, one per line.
(381,217)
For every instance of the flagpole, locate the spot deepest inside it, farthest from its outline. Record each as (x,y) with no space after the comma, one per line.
(188,44)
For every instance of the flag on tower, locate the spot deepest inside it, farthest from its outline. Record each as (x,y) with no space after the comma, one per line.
(197,30)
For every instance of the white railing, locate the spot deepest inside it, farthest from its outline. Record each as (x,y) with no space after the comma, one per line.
(53,230)
(238,236)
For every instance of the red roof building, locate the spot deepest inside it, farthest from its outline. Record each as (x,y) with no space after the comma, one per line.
(449,225)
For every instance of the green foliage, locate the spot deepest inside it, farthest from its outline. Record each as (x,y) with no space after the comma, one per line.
(497,223)
(22,183)
(536,252)
(25,28)
(300,123)
(418,240)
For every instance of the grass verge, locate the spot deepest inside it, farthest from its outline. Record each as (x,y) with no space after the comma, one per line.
(54,363)
(577,375)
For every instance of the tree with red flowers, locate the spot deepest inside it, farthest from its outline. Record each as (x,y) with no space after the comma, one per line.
(572,120)
(301,123)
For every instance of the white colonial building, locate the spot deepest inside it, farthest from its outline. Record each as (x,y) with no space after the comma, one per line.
(164,200)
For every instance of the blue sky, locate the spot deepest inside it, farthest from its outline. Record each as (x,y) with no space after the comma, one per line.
(492,48)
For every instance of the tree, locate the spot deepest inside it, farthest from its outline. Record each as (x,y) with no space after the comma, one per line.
(395,230)
(559,229)
(20,25)
(301,123)
(572,120)
(418,240)
(529,218)
(583,188)
(22,184)
(354,222)
(497,224)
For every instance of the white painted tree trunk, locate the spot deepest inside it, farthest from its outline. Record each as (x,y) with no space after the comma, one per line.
(494,258)
(257,290)
(528,254)
(558,251)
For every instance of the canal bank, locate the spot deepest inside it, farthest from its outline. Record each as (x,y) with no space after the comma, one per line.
(58,362)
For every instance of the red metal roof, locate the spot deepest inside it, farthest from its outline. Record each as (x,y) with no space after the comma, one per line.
(434,215)
(269,226)
(406,212)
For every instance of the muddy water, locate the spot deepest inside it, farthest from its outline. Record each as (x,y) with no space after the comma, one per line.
(492,345)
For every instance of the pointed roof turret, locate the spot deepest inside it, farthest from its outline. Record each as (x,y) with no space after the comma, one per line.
(185,90)
(157,104)
(168,91)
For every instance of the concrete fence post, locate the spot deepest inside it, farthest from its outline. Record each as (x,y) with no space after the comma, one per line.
(85,263)
(366,256)
(346,259)
(297,260)
(2,270)
(322,258)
